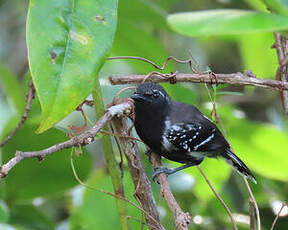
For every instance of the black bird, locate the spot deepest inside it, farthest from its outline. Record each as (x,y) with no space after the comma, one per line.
(179,132)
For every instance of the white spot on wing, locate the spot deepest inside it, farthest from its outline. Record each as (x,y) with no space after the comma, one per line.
(204,142)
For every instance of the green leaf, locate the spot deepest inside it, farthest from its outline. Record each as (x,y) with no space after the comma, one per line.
(210,166)
(181,92)
(131,40)
(68,42)
(262,147)
(140,12)
(30,217)
(30,178)
(224,22)
(96,207)
(257,5)
(258,55)
(13,90)
(277,6)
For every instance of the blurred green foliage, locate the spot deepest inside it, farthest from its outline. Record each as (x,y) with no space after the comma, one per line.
(45,195)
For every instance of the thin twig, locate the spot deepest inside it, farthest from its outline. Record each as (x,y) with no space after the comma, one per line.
(254,203)
(246,78)
(29,97)
(252,198)
(219,198)
(83,139)
(277,216)
(188,61)
(181,219)
(252,215)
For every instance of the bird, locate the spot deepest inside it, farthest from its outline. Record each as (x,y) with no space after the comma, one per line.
(179,132)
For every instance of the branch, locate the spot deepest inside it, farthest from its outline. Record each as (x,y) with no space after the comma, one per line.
(143,191)
(181,218)
(281,43)
(246,78)
(219,198)
(29,97)
(277,216)
(83,139)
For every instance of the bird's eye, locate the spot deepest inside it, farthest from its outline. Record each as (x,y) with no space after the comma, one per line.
(155,93)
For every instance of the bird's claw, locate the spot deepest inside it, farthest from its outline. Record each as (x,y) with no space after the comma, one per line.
(159,170)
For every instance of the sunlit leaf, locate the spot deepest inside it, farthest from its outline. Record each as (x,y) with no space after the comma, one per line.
(277,6)
(258,55)
(217,172)
(262,147)
(228,21)
(66,56)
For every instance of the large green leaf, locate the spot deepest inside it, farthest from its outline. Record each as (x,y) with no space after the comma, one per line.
(68,42)
(262,147)
(209,167)
(277,6)
(258,55)
(221,22)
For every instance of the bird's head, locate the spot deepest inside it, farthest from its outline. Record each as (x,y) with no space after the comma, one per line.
(150,95)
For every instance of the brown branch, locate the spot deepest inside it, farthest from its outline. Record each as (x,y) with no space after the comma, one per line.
(83,139)
(281,45)
(246,78)
(143,192)
(252,215)
(219,198)
(29,97)
(277,216)
(181,219)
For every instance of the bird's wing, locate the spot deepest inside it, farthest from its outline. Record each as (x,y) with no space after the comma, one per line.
(189,137)
(192,131)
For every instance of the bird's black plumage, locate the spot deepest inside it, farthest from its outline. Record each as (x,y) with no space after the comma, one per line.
(178,131)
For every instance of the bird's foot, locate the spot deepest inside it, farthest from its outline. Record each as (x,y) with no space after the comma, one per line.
(169,171)
(159,170)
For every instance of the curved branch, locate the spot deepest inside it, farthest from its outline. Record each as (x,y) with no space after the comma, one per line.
(246,78)
(83,139)
(29,97)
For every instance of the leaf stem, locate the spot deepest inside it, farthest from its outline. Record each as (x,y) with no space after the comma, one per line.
(110,158)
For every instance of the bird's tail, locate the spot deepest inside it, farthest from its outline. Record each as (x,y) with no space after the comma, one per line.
(237,164)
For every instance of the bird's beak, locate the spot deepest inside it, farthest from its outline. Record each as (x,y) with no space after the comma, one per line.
(138,97)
